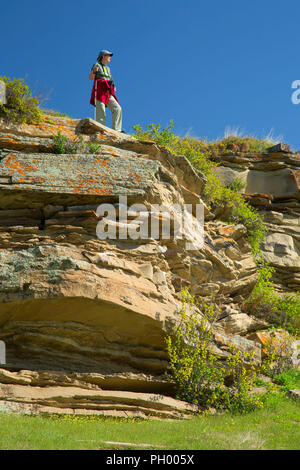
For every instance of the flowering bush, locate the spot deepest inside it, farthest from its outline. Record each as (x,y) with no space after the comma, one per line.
(20,105)
(199,376)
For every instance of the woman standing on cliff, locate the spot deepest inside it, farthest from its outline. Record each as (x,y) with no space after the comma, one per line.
(103,92)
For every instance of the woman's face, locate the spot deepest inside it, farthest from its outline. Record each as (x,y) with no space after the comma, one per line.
(105,59)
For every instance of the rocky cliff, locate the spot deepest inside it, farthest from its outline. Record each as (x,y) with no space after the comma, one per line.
(84,319)
(272,184)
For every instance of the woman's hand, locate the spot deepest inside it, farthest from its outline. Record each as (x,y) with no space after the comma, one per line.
(92,74)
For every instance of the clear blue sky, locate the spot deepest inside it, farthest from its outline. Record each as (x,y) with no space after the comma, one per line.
(206,65)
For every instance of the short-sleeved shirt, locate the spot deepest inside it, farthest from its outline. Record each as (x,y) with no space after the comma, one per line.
(104,71)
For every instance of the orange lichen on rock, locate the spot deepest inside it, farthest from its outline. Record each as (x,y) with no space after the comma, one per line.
(227,230)
(13,163)
(137,177)
(277,340)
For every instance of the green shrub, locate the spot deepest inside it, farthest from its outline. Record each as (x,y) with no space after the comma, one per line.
(154,132)
(21,106)
(64,145)
(259,382)
(287,312)
(282,310)
(237,185)
(199,376)
(244,214)
(93,147)
(288,379)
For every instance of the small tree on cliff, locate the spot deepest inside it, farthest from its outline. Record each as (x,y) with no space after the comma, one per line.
(21,106)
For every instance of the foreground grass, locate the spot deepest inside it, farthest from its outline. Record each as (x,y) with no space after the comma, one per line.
(274,427)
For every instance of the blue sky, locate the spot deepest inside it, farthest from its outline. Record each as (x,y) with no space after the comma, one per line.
(206,65)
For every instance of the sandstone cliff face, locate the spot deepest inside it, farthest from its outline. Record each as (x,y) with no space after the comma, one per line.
(83,312)
(272,184)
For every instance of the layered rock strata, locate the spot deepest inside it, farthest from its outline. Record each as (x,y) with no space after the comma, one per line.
(91,314)
(272,185)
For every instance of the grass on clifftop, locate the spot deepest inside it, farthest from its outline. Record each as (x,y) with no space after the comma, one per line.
(52,112)
(228,145)
(277,426)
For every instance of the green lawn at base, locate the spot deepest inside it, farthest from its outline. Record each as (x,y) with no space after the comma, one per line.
(277,426)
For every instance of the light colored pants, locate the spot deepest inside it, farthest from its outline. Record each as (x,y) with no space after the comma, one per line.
(116,112)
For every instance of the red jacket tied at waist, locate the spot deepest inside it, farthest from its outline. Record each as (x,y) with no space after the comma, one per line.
(104,90)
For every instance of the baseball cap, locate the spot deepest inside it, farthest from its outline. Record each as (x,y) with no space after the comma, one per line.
(101,53)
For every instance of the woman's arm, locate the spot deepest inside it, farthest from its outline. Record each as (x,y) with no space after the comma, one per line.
(93,71)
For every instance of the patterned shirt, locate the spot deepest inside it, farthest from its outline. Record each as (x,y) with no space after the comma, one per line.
(104,71)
